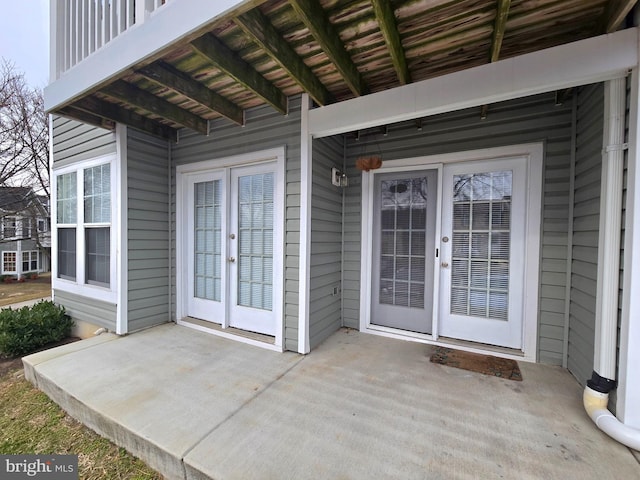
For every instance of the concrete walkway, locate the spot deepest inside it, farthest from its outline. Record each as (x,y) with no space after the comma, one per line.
(197,406)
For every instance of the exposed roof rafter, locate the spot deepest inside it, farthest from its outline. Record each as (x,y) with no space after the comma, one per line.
(389,28)
(144,100)
(168,76)
(315,18)
(615,14)
(115,113)
(230,63)
(260,29)
(86,117)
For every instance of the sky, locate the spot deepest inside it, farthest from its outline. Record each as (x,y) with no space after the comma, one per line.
(24,38)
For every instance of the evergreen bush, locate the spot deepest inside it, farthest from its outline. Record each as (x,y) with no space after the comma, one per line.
(27,329)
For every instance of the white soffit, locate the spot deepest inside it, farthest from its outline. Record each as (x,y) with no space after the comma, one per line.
(587,61)
(173,21)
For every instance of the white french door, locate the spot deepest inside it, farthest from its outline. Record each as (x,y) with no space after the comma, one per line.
(451,247)
(483,247)
(231,238)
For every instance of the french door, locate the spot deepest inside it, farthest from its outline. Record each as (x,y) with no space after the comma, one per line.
(404,253)
(449,251)
(483,246)
(231,229)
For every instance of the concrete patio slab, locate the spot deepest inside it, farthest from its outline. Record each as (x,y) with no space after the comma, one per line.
(358,407)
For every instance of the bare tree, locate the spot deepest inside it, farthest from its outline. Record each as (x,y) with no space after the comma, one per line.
(24,133)
(24,159)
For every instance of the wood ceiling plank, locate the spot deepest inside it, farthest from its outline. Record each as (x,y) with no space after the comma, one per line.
(170,77)
(242,72)
(315,19)
(144,100)
(255,24)
(615,14)
(387,22)
(116,113)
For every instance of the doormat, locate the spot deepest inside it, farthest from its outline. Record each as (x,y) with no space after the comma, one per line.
(474,362)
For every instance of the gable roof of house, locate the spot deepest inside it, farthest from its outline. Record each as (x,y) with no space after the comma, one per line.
(332,49)
(20,199)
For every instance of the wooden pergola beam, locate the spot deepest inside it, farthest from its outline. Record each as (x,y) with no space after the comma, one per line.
(170,77)
(499,27)
(136,97)
(316,20)
(115,113)
(230,63)
(615,13)
(389,28)
(255,24)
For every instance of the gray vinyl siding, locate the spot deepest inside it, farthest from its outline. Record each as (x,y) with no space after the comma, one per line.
(75,141)
(148,231)
(326,241)
(584,264)
(87,309)
(524,120)
(264,129)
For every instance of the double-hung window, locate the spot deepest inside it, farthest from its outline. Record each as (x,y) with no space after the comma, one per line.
(84,227)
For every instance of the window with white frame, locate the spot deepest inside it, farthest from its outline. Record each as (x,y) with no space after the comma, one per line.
(30,261)
(9,224)
(83,225)
(9,262)
(97,223)
(67,218)
(26,227)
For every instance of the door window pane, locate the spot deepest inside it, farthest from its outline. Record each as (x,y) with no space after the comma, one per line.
(255,240)
(403,219)
(481,243)
(208,240)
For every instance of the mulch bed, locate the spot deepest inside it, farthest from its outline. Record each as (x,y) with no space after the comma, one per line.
(9,364)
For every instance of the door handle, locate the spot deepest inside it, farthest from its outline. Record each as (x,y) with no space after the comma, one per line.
(232,259)
(444,264)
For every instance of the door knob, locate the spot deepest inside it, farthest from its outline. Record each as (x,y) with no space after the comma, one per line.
(444,264)
(232,259)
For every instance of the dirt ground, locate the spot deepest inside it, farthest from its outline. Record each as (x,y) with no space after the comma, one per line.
(29,290)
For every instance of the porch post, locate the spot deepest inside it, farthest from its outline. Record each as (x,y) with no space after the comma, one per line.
(628,398)
(305,227)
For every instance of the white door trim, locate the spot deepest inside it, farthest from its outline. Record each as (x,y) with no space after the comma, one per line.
(535,153)
(183,172)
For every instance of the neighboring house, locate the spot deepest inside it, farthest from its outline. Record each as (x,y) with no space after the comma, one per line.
(204,172)
(25,237)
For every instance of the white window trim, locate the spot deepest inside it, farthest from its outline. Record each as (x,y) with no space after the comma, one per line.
(31,254)
(80,286)
(10,272)
(535,151)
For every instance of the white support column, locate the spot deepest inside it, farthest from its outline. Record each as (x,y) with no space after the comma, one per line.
(305,227)
(628,396)
(120,222)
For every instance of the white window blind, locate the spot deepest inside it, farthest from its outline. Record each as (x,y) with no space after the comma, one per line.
(208,240)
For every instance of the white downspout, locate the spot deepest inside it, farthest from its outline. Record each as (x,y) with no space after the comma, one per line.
(596,393)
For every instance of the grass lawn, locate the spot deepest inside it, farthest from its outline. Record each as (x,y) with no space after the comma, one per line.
(31,423)
(29,290)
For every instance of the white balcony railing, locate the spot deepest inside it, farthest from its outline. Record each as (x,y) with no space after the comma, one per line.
(80,27)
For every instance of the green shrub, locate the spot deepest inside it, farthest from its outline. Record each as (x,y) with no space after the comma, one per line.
(25,330)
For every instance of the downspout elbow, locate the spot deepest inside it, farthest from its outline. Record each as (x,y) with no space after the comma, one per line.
(595,403)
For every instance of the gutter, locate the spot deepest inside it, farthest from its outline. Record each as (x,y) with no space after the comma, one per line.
(602,382)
